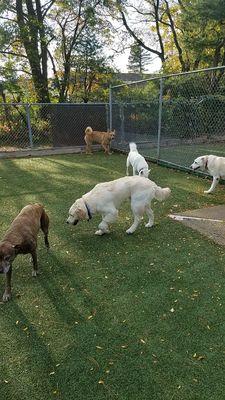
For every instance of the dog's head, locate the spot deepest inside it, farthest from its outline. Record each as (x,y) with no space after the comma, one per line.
(144,172)
(112,134)
(199,163)
(77,212)
(7,255)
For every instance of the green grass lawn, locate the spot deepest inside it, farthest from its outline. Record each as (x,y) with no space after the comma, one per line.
(114,317)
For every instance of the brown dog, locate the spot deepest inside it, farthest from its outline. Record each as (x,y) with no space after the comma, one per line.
(103,138)
(21,238)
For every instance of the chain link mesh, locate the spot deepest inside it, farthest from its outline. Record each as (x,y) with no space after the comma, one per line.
(24,126)
(172,119)
(135,111)
(14,132)
(192,119)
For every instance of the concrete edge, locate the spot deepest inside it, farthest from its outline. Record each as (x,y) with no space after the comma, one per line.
(44,152)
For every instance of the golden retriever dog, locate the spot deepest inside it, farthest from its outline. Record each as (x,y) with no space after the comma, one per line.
(21,238)
(215,167)
(103,138)
(105,199)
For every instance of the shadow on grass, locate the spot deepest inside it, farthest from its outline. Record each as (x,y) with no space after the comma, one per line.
(26,357)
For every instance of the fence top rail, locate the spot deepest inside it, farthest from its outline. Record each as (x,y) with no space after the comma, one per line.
(53,104)
(169,76)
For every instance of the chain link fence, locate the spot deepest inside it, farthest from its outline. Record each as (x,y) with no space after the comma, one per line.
(32,126)
(173,119)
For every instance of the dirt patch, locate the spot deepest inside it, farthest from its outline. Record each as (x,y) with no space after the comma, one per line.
(208,221)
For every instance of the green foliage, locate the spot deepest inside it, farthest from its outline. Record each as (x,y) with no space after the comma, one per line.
(138,58)
(193,106)
(203,32)
(191,118)
(70,37)
(51,38)
(213,10)
(91,71)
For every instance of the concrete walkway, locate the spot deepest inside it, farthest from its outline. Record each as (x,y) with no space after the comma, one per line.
(208,221)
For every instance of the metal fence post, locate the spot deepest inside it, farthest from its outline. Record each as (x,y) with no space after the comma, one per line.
(29,125)
(122,123)
(160,117)
(110,108)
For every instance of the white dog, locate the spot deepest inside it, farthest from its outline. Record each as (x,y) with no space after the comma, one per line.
(137,161)
(105,199)
(214,165)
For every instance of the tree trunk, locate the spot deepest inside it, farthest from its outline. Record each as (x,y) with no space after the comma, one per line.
(30,31)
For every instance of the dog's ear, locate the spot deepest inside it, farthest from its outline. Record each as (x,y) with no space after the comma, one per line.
(81,213)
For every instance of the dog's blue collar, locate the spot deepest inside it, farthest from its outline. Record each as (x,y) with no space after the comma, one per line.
(88,211)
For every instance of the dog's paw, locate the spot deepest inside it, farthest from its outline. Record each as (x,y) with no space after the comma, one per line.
(207,191)
(129,231)
(99,232)
(35,273)
(6,296)
(149,224)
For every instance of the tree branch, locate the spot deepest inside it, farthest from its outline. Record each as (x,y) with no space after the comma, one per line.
(184,67)
(12,54)
(139,41)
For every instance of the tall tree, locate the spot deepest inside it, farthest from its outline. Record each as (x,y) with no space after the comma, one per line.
(25,39)
(38,34)
(153,13)
(30,21)
(91,68)
(204,33)
(184,34)
(138,59)
(69,19)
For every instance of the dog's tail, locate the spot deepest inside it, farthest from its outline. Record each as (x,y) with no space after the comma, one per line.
(133,146)
(88,130)
(162,193)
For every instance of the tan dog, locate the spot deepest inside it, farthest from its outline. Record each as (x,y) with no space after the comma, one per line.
(103,138)
(21,238)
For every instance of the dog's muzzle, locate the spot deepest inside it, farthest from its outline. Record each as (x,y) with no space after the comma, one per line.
(71,220)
